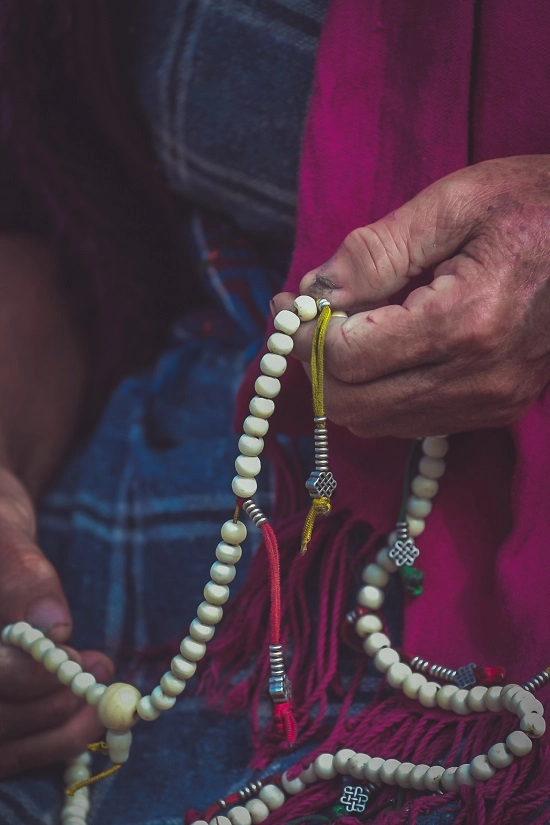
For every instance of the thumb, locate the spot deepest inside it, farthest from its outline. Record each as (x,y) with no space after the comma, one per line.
(378,260)
(29,586)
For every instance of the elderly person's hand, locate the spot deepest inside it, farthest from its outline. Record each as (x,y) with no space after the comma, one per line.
(469,349)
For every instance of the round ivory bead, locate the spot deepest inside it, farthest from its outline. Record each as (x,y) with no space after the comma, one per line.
(292,786)
(459,702)
(192,650)
(341,759)
(286,321)
(403,774)
(435,446)
(29,637)
(273,366)
(481,768)
(375,575)
(508,692)
(419,507)
(171,685)
(529,704)
(415,526)
(258,810)
(256,427)
(371,597)
(219,820)
(385,658)
(267,386)
(94,694)
(67,671)
(444,696)
(356,765)
(427,695)
(416,776)
(499,757)
(305,307)
(324,766)
(448,779)
(209,613)
(423,487)
(54,658)
(493,699)
(518,743)
(244,487)
(375,642)
(248,466)
(81,683)
(388,771)
(412,684)
(228,553)
(182,668)
(201,632)
(117,707)
(146,710)
(432,777)
(119,744)
(239,816)
(222,573)
(5,636)
(273,797)
(309,775)
(533,725)
(39,648)
(397,674)
(249,445)
(431,467)
(372,769)
(476,698)
(464,775)
(233,532)
(262,407)
(280,344)
(384,560)
(160,700)
(17,630)
(216,593)
(74,774)
(369,623)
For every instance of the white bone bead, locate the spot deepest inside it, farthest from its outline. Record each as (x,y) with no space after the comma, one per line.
(216,593)
(412,684)
(219,820)
(459,702)
(286,321)
(171,685)
(533,725)
(519,743)
(341,759)
(67,671)
(499,757)
(432,777)
(94,694)
(419,507)
(375,642)
(17,631)
(272,365)
(464,775)
(117,707)
(119,744)
(375,575)
(397,674)
(228,553)
(244,487)
(182,668)
(444,696)
(280,344)
(74,774)
(385,658)
(262,407)
(356,765)
(222,573)
(6,634)
(267,386)
(258,810)
(160,700)
(292,786)
(416,526)
(508,693)
(39,648)
(383,559)
(248,466)
(528,704)
(427,695)
(388,771)
(309,775)
(79,803)
(201,822)
(200,632)
(424,487)
(233,532)
(248,445)
(83,758)
(448,779)
(493,699)
(54,658)
(476,698)
(146,710)
(192,650)
(481,768)
(403,774)
(239,816)
(324,766)
(81,683)
(372,769)
(431,467)
(29,637)
(256,427)
(416,776)
(435,447)
(273,797)
(305,307)
(209,613)
(369,623)
(371,597)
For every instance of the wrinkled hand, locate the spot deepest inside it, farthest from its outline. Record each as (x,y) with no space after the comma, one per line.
(41,722)
(470,349)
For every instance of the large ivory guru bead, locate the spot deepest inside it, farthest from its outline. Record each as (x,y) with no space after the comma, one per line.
(117,707)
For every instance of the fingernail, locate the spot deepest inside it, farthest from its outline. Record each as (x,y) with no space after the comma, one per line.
(47,614)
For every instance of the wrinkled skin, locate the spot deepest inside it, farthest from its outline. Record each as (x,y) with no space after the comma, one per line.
(471,349)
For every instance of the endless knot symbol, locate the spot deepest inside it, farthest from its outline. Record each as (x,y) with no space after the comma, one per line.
(354,799)
(321,484)
(465,677)
(404,552)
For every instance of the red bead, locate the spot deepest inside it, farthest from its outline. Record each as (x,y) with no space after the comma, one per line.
(490,676)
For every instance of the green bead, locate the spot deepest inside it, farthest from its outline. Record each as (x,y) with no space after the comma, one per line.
(413,579)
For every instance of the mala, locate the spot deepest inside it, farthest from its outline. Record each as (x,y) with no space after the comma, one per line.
(469,689)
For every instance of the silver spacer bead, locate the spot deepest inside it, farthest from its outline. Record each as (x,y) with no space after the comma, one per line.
(254,513)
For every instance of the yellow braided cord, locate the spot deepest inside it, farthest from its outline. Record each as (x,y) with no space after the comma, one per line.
(236,513)
(319,506)
(98,747)
(95,747)
(318,362)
